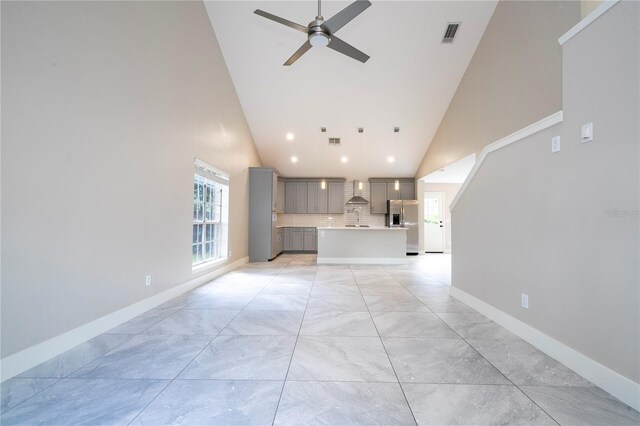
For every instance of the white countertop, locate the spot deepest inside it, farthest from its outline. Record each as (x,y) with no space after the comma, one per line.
(361,228)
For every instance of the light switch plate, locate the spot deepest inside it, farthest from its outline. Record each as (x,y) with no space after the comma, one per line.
(555,144)
(525,301)
(147,280)
(587,132)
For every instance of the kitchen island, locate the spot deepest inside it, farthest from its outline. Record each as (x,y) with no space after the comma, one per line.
(362,245)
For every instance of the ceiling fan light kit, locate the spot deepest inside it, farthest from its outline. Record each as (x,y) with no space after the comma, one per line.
(321,33)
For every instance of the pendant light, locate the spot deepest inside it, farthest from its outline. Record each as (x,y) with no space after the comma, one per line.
(397,185)
(323,182)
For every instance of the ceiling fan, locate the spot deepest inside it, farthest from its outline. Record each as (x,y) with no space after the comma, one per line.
(322,33)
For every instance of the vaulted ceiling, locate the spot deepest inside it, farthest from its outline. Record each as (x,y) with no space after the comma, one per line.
(408,82)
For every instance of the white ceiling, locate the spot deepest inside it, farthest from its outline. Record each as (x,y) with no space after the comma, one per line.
(455,172)
(408,82)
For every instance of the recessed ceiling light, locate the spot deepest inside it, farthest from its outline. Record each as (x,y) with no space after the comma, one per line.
(290,136)
(391,159)
(294,159)
(344,159)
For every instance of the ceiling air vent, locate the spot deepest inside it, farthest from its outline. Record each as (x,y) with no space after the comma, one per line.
(334,141)
(450,32)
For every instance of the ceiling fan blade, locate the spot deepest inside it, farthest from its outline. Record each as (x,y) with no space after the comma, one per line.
(281,20)
(341,18)
(346,49)
(303,49)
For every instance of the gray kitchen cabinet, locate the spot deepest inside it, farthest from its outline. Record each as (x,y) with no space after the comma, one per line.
(378,201)
(310,239)
(280,198)
(287,239)
(407,191)
(312,197)
(335,197)
(274,191)
(323,206)
(297,239)
(280,246)
(392,192)
(290,197)
(262,230)
(301,197)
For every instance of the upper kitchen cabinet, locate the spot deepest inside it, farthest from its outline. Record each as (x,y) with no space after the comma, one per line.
(280,197)
(274,192)
(336,197)
(407,190)
(383,189)
(316,198)
(392,192)
(295,197)
(378,201)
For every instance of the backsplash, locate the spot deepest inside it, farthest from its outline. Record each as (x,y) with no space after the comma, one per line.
(337,220)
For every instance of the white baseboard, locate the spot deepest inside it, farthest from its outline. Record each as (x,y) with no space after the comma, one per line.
(363,260)
(617,385)
(37,354)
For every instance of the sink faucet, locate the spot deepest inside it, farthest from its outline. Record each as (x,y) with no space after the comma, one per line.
(357,212)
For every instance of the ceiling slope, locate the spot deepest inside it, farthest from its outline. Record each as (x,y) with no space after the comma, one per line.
(408,82)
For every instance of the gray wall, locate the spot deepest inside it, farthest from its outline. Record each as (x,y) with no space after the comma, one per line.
(104,107)
(539,223)
(517,58)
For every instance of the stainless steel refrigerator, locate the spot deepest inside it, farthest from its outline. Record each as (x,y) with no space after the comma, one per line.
(404,214)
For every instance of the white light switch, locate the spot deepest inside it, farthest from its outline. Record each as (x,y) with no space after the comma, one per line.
(525,301)
(147,280)
(587,132)
(555,144)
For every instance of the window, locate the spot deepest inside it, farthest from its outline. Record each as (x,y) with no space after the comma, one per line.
(210,214)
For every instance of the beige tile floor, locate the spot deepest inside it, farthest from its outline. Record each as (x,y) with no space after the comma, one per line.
(292,342)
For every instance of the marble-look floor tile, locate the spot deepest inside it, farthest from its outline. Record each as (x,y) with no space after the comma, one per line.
(384,290)
(523,364)
(335,290)
(582,406)
(394,304)
(427,360)
(472,405)
(338,323)
(243,357)
(278,302)
(213,402)
(140,323)
(194,321)
(473,325)
(215,300)
(181,301)
(265,323)
(445,304)
(287,288)
(335,403)
(358,359)
(430,291)
(146,357)
(337,303)
(16,390)
(411,324)
(86,402)
(71,360)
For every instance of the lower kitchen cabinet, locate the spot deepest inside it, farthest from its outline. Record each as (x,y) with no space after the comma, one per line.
(300,239)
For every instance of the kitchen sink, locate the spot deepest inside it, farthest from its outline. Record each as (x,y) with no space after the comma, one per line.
(357,226)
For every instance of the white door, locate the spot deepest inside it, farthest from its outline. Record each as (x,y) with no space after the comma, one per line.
(434,222)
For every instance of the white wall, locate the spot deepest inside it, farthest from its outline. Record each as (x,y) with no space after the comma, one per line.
(564,227)
(104,107)
(513,80)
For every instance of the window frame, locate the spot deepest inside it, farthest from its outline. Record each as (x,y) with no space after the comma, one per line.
(210,216)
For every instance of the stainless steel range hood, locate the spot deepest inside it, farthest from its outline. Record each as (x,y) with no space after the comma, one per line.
(357,195)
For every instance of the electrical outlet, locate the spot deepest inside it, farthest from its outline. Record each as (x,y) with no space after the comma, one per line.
(525,301)
(555,144)
(587,132)
(147,281)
